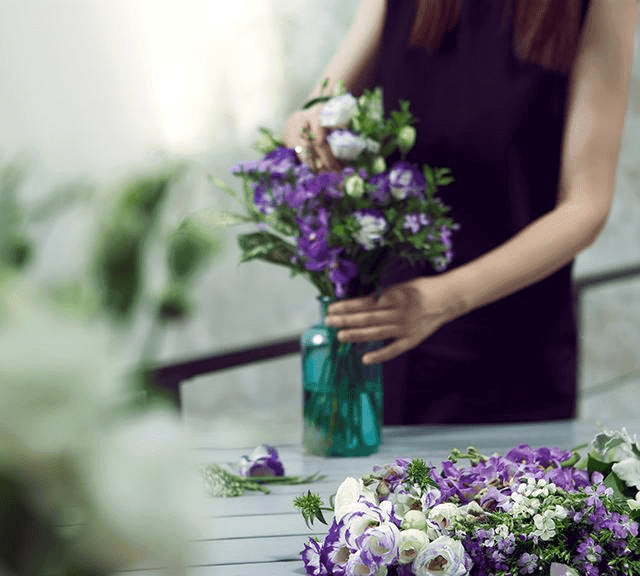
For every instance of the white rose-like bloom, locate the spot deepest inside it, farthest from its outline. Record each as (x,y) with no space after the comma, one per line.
(634,504)
(381,542)
(414,519)
(347,496)
(363,516)
(442,557)
(444,514)
(372,146)
(371,230)
(410,544)
(354,186)
(628,471)
(338,111)
(346,145)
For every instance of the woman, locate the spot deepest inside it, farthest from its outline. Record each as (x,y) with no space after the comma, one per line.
(525,101)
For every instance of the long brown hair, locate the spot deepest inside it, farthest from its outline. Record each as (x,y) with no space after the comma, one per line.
(545,32)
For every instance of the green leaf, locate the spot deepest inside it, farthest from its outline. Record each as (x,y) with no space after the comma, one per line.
(268,247)
(620,490)
(225,188)
(189,248)
(315,101)
(596,465)
(215,218)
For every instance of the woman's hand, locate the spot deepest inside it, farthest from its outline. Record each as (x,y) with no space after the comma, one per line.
(408,312)
(308,138)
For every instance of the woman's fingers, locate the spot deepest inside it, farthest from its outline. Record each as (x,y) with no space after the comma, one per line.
(363,319)
(370,334)
(389,352)
(353,305)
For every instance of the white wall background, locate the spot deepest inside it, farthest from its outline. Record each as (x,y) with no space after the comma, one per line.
(103,87)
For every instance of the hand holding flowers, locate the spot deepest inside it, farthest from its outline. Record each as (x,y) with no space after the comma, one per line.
(408,313)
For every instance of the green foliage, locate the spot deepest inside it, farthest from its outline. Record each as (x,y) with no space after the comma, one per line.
(419,473)
(173,305)
(311,507)
(268,247)
(188,249)
(222,483)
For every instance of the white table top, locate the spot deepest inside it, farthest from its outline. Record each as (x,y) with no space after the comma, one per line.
(260,534)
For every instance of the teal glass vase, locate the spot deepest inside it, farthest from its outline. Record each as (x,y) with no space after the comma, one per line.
(342,396)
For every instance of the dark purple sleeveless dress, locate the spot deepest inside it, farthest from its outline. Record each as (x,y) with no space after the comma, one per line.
(498,124)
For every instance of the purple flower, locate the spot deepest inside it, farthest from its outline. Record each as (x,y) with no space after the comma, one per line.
(492,498)
(527,563)
(589,551)
(311,559)
(380,542)
(264,461)
(335,553)
(328,183)
(406,180)
(279,162)
(245,167)
(381,194)
(363,563)
(312,244)
(341,272)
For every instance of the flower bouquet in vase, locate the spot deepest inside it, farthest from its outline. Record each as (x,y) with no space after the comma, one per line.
(339,229)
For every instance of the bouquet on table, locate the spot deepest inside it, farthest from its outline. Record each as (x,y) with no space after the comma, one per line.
(539,511)
(339,229)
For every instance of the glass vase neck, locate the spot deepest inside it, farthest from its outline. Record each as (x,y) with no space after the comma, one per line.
(324,304)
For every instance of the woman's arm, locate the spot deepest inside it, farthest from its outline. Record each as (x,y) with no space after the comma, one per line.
(597,105)
(354,64)
(354,61)
(598,101)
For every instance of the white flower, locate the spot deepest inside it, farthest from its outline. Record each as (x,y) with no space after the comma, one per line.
(363,516)
(371,230)
(373,105)
(354,186)
(380,542)
(406,138)
(442,557)
(338,111)
(444,514)
(379,165)
(346,145)
(634,504)
(403,501)
(545,523)
(562,570)
(628,471)
(410,544)
(607,444)
(414,519)
(348,495)
(372,146)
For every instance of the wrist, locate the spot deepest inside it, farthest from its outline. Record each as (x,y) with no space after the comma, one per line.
(457,298)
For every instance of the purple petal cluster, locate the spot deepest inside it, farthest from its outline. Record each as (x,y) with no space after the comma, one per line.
(405,180)
(263,461)
(415,222)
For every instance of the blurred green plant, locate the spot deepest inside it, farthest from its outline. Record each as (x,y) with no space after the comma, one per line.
(112,290)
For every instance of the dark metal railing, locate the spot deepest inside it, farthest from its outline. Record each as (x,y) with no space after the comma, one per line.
(168,378)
